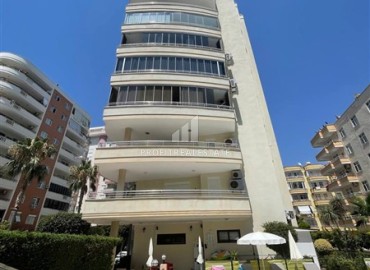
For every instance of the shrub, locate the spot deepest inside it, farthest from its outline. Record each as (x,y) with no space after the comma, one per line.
(64,223)
(4,225)
(35,250)
(344,262)
(281,229)
(323,246)
(304,225)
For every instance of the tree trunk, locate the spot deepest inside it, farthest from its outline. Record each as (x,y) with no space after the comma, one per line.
(82,193)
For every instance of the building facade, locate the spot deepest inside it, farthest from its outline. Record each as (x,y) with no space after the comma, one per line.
(307,187)
(31,105)
(345,147)
(192,147)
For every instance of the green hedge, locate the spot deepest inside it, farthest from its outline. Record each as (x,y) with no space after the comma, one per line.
(35,250)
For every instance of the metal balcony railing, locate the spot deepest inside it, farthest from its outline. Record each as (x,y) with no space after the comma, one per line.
(168,193)
(151,44)
(154,143)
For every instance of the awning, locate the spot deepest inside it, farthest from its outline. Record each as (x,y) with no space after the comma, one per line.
(304,210)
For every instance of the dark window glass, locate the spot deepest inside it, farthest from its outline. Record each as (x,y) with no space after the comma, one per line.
(201,95)
(149,93)
(175,94)
(122,97)
(171,239)
(221,66)
(151,37)
(157,62)
(131,94)
(179,66)
(214,67)
(207,66)
(184,17)
(158,38)
(142,62)
(185,39)
(140,93)
(164,63)
(192,19)
(179,39)
(176,17)
(113,95)
(228,236)
(184,94)
(134,63)
(199,20)
(172,38)
(205,42)
(171,65)
(193,65)
(201,65)
(158,93)
(193,95)
(191,40)
(167,96)
(165,38)
(186,64)
(145,38)
(128,64)
(198,40)
(119,64)
(149,63)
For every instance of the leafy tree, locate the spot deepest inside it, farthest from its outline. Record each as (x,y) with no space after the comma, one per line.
(328,216)
(79,176)
(281,229)
(362,210)
(62,222)
(27,158)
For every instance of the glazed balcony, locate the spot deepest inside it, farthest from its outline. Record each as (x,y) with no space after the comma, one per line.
(164,159)
(332,148)
(301,202)
(165,205)
(323,135)
(11,91)
(14,129)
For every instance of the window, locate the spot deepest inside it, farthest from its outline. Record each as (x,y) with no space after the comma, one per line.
(35,202)
(368,105)
(57,98)
(48,121)
(349,149)
(354,121)
(63,117)
(171,239)
(60,129)
(228,236)
(67,106)
(43,134)
(365,185)
(296,185)
(342,133)
(55,141)
(30,220)
(357,166)
(363,138)
(53,109)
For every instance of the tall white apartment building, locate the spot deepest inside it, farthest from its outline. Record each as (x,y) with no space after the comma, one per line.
(192,147)
(345,145)
(31,105)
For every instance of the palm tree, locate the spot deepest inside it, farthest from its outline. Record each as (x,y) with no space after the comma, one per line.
(362,209)
(79,176)
(27,158)
(328,215)
(338,207)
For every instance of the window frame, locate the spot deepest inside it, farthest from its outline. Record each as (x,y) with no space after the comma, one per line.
(229,232)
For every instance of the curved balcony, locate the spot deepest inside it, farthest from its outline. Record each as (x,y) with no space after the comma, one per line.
(5,143)
(166,159)
(17,113)
(323,135)
(26,101)
(21,80)
(165,205)
(191,5)
(73,146)
(12,129)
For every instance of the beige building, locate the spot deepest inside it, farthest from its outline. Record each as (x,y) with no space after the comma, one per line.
(345,146)
(192,147)
(307,187)
(31,105)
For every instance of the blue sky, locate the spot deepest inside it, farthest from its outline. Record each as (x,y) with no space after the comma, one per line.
(313,56)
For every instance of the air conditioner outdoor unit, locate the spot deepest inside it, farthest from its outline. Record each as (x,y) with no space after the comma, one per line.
(228,57)
(236,184)
(236,174)
(233,83)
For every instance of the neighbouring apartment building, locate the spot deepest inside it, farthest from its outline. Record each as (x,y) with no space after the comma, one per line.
(307,187)
(31,105)
(345,147)
(192,148)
